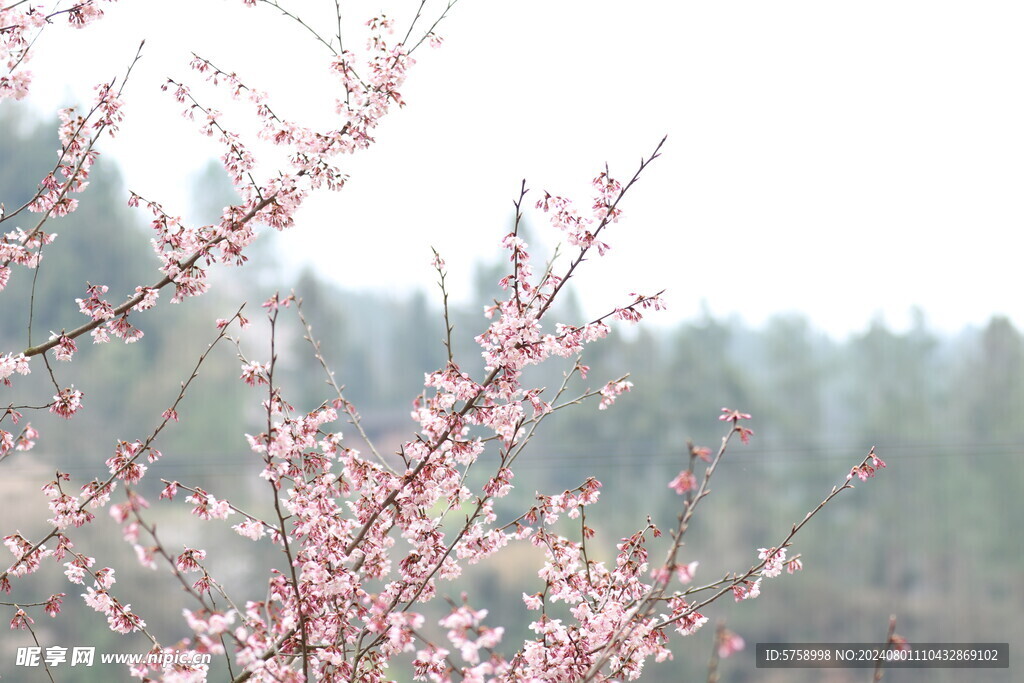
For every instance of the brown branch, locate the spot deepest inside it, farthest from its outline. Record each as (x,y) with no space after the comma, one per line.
(127,305)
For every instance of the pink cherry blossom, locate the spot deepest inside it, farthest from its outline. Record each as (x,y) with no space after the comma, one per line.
(67,402)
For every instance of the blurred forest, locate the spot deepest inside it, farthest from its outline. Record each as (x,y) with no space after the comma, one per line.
(931,540)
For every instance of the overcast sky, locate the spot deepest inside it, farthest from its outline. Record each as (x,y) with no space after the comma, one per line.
(839,159)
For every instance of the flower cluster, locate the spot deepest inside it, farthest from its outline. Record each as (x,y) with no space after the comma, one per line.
(25,441)
(611,391)
(11,364)
(866,469)
(66,509)
(67,402)
(20,248)
(119,616)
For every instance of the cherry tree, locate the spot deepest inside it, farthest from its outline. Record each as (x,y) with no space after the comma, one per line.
(367,539)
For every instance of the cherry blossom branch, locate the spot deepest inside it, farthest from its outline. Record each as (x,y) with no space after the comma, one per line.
(303,24)
(442,273)
(430,31)
(585,533)
(453,667)
(28,604)
(236,149)
(730,579)
(195,490)
(22,620)
(865,465)
(508,457)
(24,441)
(32,301)
(506,460)
(471,519)
(49,371)
(85,155)
(201,64)
(412,25)
(535,421)
(184,266)
(176,571)
(10,7)
(390,499)
(7,215)
(642,608)
(74,13)
(101,489)
(516,253)
(271,652)
(695,497)
(609,217)
(120,617)
(273,403)
(455,418)
(739,584)
(337,14)
(51,15)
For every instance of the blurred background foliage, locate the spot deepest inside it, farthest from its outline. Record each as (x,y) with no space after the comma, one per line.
(932,540)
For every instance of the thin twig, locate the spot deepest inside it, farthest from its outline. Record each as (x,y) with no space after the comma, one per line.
(349,408)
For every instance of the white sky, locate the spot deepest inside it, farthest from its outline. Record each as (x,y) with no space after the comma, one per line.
(839,159)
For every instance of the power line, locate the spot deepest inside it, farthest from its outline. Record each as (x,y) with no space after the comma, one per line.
(216,466)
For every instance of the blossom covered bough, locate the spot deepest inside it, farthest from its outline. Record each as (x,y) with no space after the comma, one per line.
(368,539)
